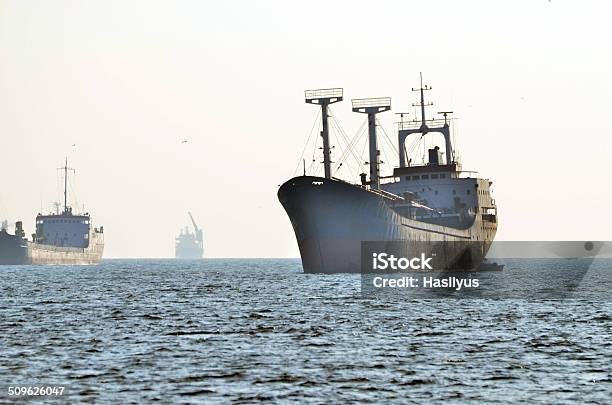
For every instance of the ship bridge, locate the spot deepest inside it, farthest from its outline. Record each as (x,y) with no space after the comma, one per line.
(437,191)
(63,229)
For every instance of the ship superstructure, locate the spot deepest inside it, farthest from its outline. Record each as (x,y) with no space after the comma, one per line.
(435,203)
(190,245)
(60,238)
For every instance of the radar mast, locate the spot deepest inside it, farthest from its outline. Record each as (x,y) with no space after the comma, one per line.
(407,128)
(65,169)
(324,97)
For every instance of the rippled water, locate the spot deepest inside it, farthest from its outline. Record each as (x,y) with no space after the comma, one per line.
(247,330)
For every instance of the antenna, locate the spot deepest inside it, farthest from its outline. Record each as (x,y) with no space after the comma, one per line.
(401,116)
(422,104)
(56,206)
(372,106)
(445,114)
(324,97)
(66,169)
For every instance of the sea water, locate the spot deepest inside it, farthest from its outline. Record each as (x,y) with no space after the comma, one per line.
(134,331)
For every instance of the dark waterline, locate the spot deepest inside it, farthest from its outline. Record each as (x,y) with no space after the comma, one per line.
(131,331)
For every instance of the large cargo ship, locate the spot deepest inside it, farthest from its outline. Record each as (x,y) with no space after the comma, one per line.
(434,207)
(190,245)
(60,238)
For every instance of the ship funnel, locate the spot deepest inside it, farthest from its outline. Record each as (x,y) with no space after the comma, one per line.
(19,229)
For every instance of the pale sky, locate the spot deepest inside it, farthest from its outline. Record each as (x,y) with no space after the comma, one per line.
(126,81)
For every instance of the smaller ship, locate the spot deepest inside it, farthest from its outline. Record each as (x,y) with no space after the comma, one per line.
(190,245)
(60,238)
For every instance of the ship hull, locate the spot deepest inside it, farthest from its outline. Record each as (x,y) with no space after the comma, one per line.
(332,219)
(14,250)
(189,253)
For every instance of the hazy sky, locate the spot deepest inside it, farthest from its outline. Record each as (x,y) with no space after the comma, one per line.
(126,81)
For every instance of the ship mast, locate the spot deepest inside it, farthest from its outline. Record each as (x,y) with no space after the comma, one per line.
(372,106)
(324,97)
(422,103)
(65,169)
(407,128)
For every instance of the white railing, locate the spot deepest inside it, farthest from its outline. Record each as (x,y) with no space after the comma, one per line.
(323,93)
(371,102)
(434,123)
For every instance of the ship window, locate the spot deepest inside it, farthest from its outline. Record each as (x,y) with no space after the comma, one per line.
(425,176)
(415,177)
(467,192)
(434,176)
(436,192)
(454,191)
(442,175)
(407,177)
